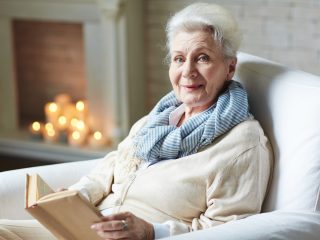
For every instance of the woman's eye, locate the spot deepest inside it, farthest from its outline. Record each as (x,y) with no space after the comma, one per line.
(203,58)
(178,59)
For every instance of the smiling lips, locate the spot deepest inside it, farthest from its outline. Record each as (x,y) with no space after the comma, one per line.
(192,87)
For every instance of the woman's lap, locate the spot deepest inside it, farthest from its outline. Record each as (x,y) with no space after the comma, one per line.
(23,230)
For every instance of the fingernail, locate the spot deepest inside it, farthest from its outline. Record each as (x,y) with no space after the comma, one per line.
(93,226)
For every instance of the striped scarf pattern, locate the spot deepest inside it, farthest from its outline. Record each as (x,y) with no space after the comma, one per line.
(158,140)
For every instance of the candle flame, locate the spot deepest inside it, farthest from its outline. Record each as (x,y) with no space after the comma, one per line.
(76,135)
(80,106)
(53,107)
(48,126)
(80,125)
(74,122)
(51,132)
(97,135)
(36,126)
(62,120)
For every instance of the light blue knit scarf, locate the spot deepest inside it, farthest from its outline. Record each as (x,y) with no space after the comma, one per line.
(158,140)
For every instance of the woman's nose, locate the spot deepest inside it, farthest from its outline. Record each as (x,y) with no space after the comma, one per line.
(189,69)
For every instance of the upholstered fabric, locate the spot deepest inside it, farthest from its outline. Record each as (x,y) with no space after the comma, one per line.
(276,225)
(287,104)
(12,184)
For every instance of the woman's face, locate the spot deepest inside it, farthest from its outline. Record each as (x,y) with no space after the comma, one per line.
(198,69)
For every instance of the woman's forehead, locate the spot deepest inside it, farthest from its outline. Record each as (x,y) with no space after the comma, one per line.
(193,41)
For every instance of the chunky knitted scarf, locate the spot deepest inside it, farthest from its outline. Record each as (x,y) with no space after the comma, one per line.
(158,140)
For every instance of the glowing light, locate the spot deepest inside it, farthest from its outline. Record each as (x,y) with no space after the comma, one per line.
(51,132)
(76,135)
(49,126)
(74,122)
(53,107)
(97,135)
(80,106)
(62,120)
(36,126)
(80,125)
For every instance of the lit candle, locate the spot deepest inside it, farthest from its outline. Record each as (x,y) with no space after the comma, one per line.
(73,124)
(52,111)
(36,130)
(80,106)
(82,127)
(62,123)
(62,100)
(82,109)
(48,126)
(69,111)
(97,140)
(50,134)
(76,139)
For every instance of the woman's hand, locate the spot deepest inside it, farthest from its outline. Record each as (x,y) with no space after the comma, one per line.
(61,189)
(124,226)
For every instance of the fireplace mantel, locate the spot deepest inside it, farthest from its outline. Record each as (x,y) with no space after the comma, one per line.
(113,38)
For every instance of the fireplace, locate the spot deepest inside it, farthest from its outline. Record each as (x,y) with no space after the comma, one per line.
(103,66)
(49,60)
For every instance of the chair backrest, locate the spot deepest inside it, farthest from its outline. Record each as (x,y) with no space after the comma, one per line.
(287,104)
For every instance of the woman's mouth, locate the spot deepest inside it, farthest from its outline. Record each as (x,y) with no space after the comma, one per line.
(192,87)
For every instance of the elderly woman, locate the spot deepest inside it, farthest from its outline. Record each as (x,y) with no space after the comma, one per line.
(199,159)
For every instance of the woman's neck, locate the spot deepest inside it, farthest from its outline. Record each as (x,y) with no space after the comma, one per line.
(192,111)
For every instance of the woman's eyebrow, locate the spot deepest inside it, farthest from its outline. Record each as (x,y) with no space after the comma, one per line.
(201,48)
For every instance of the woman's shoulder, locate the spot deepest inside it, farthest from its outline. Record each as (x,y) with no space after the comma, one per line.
(249,132)
(245,135)
(127,141)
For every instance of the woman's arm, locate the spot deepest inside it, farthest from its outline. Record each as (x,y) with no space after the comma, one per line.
(237,191)
(97,184)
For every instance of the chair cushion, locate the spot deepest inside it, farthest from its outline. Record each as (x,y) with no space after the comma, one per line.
(287,104)
(277,225)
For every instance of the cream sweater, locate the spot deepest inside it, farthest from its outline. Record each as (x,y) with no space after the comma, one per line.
(225,181)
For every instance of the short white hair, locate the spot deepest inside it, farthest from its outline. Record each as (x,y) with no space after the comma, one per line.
(207,17)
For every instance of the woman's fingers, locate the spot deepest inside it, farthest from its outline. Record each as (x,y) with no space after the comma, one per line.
(113,235)
(117,216)
(123,226)
(61,189)
(114,225)
(111,229)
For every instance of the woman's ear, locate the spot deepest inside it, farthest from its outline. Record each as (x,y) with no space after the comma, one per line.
(231,67)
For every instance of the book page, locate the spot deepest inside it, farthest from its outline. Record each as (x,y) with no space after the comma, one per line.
(35,189)
(43,188)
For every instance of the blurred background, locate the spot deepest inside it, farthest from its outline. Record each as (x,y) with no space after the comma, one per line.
(76,74)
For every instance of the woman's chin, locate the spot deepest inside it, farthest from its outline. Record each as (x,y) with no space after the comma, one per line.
(196,102)
(192,102)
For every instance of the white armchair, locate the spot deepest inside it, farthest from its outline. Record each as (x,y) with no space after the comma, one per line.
(287,104)
(12,184)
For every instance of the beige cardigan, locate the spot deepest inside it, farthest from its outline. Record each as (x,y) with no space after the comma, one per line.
(225,181)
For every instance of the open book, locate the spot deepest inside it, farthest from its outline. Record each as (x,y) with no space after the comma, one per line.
(67,214)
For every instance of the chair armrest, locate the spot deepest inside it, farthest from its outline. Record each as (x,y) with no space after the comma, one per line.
(277,225)
(12,194)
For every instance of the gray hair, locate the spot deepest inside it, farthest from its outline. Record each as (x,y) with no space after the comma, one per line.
(204,16)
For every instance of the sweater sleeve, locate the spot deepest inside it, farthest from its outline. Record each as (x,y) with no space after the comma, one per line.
(236,192)
(97,183)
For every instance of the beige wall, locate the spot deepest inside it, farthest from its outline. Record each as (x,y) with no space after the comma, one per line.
(285,31)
